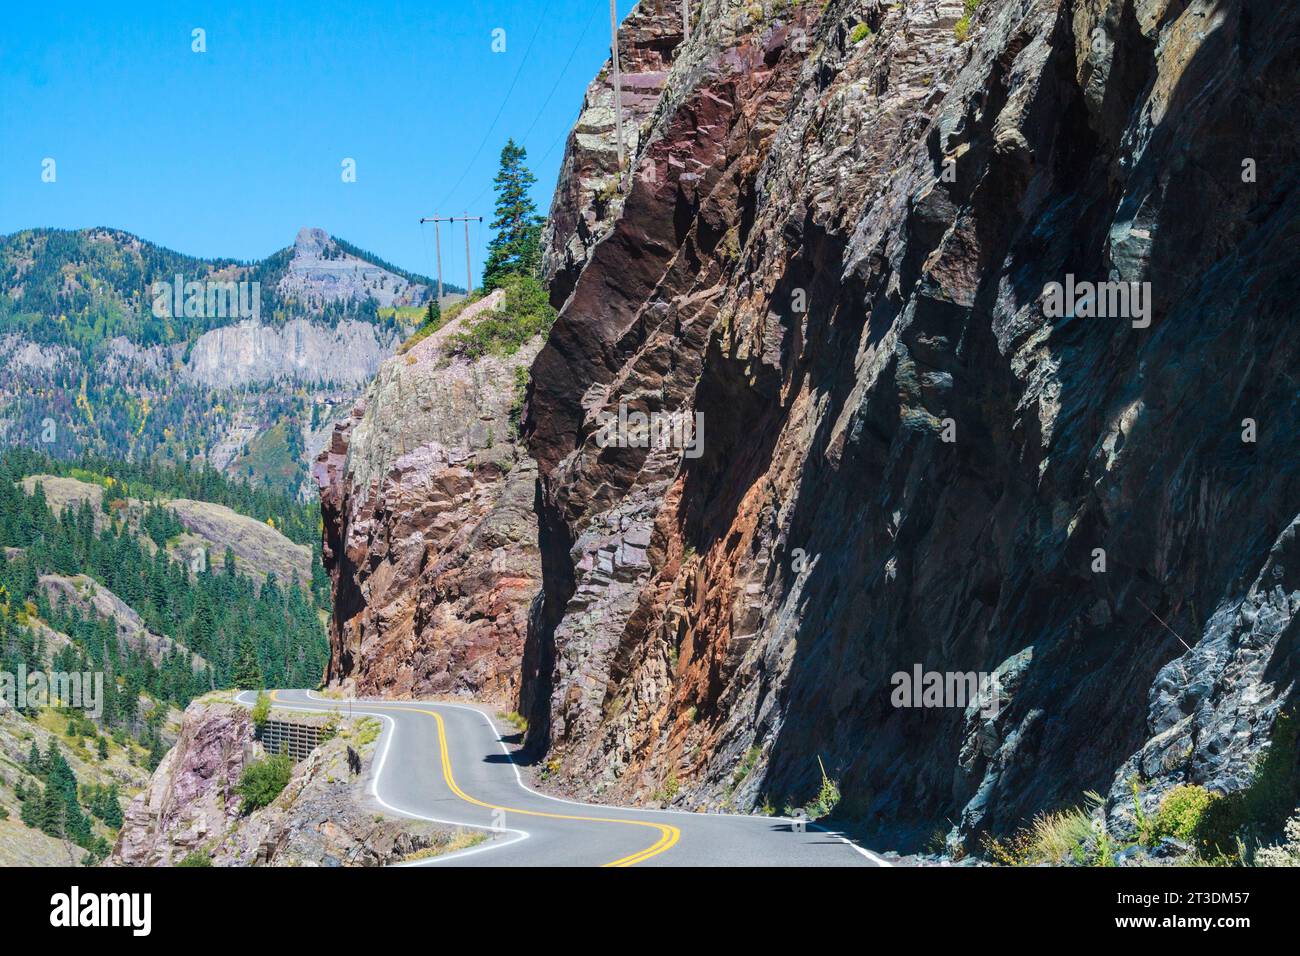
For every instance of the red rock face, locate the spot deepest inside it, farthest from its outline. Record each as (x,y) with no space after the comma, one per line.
(430,537)
(192,798)
(832,248)
(586,196)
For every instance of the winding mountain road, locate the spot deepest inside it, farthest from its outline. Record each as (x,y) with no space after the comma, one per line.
(448,763)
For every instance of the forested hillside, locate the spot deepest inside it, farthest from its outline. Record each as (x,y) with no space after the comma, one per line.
(110,574)
(94,358)
(221,626)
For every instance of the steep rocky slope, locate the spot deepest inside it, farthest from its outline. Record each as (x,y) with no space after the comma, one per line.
(430,536)
(834,246)
(322,818)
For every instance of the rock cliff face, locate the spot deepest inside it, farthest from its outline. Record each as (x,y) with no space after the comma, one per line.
(430,534)
(300,351)
(834,246)
(587,198)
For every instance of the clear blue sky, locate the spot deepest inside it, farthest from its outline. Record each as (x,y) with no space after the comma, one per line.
(229,152)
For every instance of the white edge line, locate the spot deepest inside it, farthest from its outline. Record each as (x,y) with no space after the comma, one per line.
(873,857)
(377,771)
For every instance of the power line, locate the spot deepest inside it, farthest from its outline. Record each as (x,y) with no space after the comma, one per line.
(563,70)
(505,99)
(546,102)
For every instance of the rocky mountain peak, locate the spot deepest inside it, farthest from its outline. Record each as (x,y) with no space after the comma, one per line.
(324,270)
(311,242)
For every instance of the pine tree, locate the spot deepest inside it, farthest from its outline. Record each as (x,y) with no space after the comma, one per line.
(248,672)
(516,247)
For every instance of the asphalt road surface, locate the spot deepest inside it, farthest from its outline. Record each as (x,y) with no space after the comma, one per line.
(448,763)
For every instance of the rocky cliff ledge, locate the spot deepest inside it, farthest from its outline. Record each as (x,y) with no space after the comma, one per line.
(323,817)
(430,533)
(834,246)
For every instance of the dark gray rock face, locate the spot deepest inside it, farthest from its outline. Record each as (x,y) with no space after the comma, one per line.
(837,252)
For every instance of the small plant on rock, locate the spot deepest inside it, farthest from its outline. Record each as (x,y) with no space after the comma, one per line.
(1182,812)
(1283,854)
(263,781)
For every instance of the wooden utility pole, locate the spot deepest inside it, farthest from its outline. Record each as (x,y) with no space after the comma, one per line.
(437,245)
(686,20)
(618,90)
(469,274)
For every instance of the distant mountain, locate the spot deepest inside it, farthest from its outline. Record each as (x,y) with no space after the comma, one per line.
(323,270)
(112,344)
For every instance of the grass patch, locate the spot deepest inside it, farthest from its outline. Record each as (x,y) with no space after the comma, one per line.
(367,730)
(460,840)
(515,719)
(1055,839)
(860,33)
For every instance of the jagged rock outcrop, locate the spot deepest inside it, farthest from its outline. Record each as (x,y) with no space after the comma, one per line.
(321,271)
(587,196)
(323,817)
(430,534)
(834,246)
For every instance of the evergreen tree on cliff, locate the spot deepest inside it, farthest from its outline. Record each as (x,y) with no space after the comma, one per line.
(516,247)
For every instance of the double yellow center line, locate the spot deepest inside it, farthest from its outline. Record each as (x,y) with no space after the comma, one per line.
(668,834)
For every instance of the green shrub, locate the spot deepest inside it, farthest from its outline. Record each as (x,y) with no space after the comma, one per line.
(827,797)
(1055,839)
(263,781)
(1182,813)
(520,396)
(196,858)
(860,33)
(526,313)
